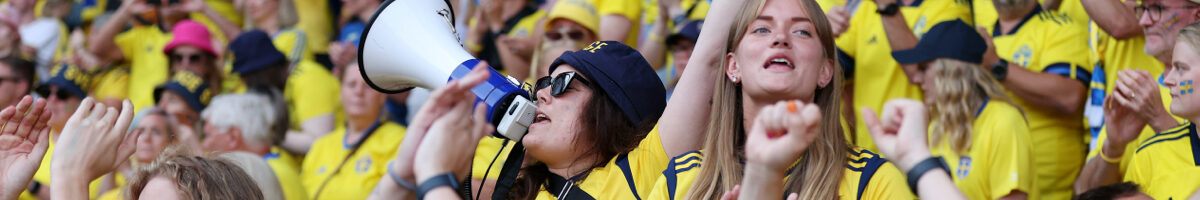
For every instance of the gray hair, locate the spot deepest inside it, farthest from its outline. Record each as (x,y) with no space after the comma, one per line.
(251,113)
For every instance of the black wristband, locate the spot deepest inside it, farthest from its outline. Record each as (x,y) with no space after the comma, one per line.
(442,180)
(889,9)
(914,174)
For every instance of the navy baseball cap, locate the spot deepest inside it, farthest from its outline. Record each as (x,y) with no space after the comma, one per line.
(951,39)
(253,51)
(623,74)
(188,85)
(68,78)
(690,31)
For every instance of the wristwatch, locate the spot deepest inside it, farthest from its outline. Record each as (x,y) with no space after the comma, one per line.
(889,10)
(914,174)
(442,180)
(1000,70)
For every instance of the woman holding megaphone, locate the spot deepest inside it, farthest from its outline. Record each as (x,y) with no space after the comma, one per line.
(591,137)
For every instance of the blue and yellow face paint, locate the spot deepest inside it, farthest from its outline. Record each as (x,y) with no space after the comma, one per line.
(1173,21)
(1185,87)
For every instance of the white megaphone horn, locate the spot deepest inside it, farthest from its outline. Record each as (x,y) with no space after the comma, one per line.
(414,44)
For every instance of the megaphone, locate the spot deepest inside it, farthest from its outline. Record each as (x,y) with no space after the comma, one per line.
(415,45)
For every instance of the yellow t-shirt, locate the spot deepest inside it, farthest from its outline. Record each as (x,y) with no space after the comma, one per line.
(999,159)
(627,176)
(867,55)
(1167,166)
(111,84)
(316,20)
(148,68)
(311,91)
(287,172)
(867,176)
(631,9)
(292,43)
(1046,42)
(359,174)
(485,152)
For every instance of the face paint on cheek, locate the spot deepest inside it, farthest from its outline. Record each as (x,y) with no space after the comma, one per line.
(1185,87)
(1173,21)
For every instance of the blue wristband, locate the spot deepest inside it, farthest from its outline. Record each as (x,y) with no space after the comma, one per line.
(400,181)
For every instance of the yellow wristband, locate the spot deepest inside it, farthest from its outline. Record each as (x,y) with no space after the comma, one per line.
(1109,160)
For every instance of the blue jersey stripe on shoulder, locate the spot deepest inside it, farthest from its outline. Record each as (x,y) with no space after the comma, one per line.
(1162,140)
(1169,132)
(1064,70)
(623,163)
(687,158)
(872,165)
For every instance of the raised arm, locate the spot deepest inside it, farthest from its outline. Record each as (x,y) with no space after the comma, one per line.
(681,124)
(1114,17)
(102,42)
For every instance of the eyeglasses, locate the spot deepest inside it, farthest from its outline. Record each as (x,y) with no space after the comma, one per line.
(191,58)
(1155,10)
(58,93)
(576,35)
(558,85)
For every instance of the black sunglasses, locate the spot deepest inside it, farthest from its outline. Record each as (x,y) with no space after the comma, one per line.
(59,93)
(572,34)
(191,58)
(559,83)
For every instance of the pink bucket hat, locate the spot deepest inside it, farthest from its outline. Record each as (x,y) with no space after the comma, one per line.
(188,32)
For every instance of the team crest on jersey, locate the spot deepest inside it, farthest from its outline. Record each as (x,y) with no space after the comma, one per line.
(362,165)
(919,27)
(1023,56)
(964,167)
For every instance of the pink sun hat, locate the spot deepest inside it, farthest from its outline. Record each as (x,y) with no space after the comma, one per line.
(188,32)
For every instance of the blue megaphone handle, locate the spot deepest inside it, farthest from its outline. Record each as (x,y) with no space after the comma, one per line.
(495,92)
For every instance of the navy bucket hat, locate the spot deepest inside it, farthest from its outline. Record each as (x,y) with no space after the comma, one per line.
(622,74)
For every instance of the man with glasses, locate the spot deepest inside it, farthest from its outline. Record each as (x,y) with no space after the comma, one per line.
(1138,93)
(16,78)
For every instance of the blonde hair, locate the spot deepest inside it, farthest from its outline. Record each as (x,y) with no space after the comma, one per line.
(819,172)
(1190,35)
(960,88)
(197,177)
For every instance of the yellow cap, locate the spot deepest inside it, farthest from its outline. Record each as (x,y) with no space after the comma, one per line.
(579,11)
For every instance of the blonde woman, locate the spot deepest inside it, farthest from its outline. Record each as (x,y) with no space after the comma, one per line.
(772,51)
(975,129)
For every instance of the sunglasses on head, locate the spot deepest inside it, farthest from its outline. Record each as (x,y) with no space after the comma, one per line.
(558,85)
(576,35)
(191,58)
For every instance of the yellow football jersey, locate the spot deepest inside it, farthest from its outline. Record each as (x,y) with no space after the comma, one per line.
(1046,42)
(148,68)
(111,84)
(866,55)
(316,20)
(1167,165)
(287,172)
(999,159)
(867,176)
(344,176)
(312,91)
(293,44)
(627,176)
